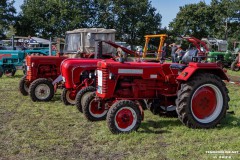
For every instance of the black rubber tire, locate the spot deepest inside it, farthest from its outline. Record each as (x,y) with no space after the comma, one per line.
(113,112)
(64,97)
(22,86)
(185,94)
(89,98)
(35,84)
(234,67)
(12,71)
(80,97)
(1,71)
(24,69)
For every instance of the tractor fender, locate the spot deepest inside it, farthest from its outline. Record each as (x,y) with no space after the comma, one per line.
(58,79)
(190,71)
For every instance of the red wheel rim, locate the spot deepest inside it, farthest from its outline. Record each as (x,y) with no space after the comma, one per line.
(124,118)
(97,110)
(204,102)
(72,95)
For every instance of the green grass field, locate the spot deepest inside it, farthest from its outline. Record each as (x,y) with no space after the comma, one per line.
(51,130)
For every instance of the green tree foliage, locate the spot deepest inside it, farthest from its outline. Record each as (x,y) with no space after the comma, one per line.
(135,18)
(7,12)
(53,17)
(220,19)
(131,18)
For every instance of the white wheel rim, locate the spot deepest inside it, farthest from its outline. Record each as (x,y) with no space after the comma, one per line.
(71,101)
(219,105)
(130,127)
(42,91)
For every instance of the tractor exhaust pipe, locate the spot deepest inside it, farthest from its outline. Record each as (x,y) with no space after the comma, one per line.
(13,42)
(50,46)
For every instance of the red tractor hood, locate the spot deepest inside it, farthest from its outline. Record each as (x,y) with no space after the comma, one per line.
(147,70)
(72,68)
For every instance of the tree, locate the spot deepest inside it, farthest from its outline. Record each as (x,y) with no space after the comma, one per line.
(193,19)
(53,17)
(7,12)
(134,19)
(131,18)
(220,19)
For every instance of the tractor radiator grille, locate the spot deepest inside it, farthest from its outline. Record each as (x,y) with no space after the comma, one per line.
(102,83)
(105,78)
(29,69)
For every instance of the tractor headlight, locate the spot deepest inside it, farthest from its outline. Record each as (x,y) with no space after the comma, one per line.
(91,75)
(95,73)
(111,76)
(63,78)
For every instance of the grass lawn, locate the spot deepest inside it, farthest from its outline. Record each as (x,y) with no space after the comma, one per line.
(51,130)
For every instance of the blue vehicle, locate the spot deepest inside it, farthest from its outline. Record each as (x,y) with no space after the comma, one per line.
(13,57)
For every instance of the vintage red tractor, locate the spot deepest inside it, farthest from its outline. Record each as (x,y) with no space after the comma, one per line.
(196,89)
(200,51)
(79,74)
(43,73)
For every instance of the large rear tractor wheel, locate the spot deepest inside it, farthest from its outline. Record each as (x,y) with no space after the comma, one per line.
(234,66)
(1,71)
(123,117)
(81,96)
(93,109)
(23,86)
(68,97)
(202,101)
(41,90)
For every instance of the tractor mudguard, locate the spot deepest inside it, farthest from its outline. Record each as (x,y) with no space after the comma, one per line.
(195,68)
(58,79)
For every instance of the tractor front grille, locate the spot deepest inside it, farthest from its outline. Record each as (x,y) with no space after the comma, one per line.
(28,69)
(102,80)
(105,75)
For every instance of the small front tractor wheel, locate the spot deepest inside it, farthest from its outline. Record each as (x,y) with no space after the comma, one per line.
(202,101)
(23,86)
(234,66)
(81,96)
(1,71)
(10,72)
(41,90)
(123,117)
(68,97)
(94,110)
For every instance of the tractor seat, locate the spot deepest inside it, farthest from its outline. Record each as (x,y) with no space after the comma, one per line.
(178,66)
(188,56)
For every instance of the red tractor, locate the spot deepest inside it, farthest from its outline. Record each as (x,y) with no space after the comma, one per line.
(78,74)
(163,111)
(196,89)
(43,73)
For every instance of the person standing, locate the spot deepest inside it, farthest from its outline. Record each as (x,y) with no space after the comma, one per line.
(173,52)
(164,51)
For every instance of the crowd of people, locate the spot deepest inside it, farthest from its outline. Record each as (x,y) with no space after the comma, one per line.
(174,49)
